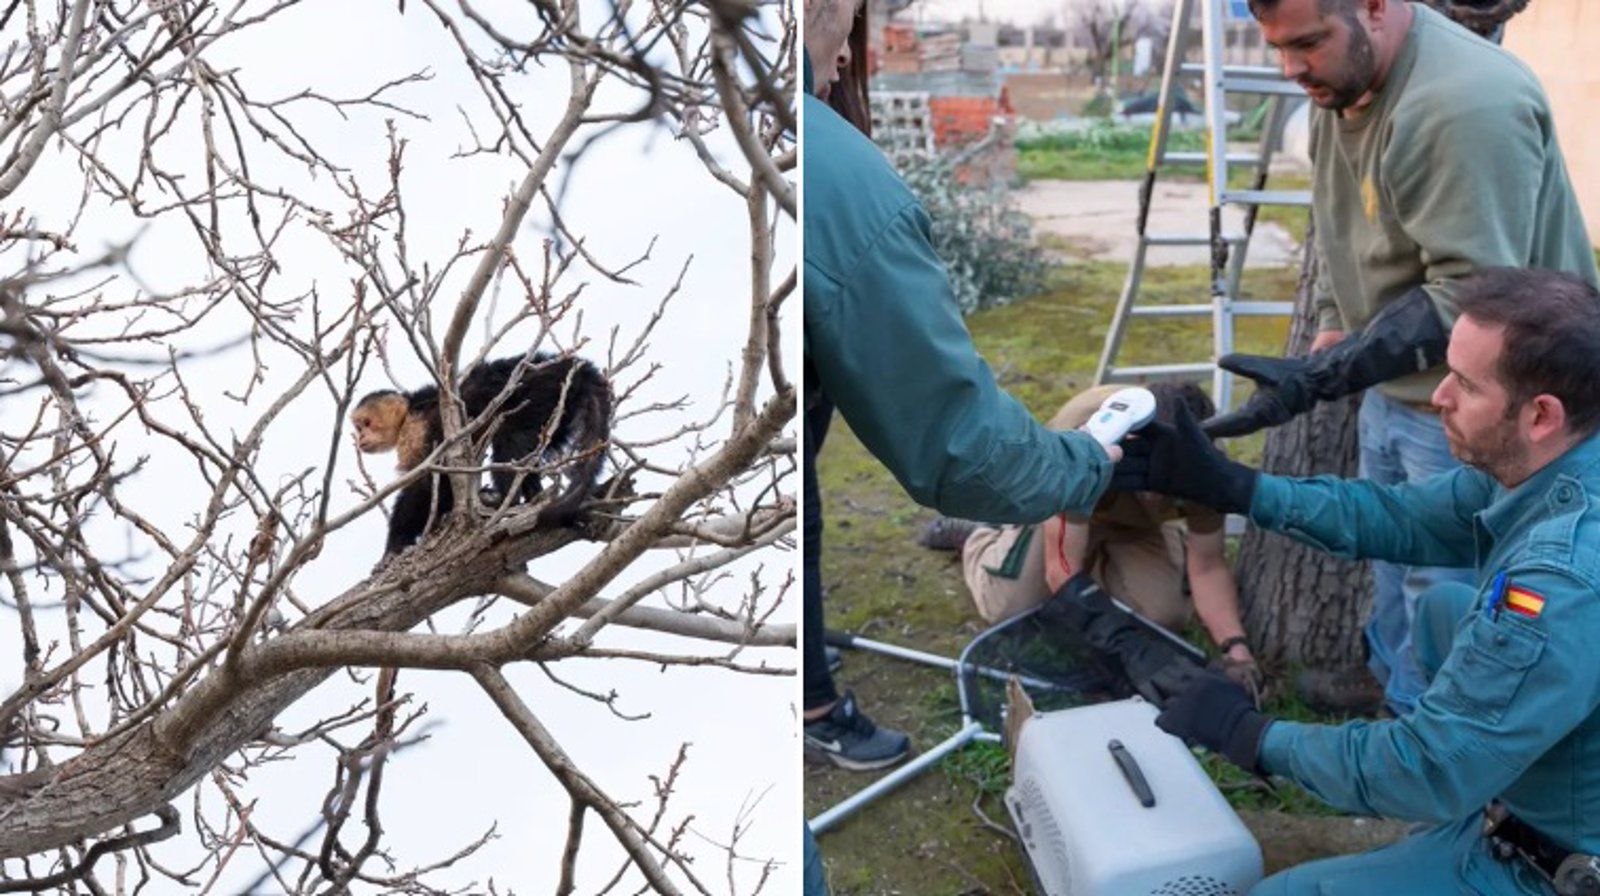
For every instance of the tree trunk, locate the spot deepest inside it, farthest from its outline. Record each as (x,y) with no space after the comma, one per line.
(1302,607)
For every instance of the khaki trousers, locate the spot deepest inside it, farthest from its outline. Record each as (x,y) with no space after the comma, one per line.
(1143,568)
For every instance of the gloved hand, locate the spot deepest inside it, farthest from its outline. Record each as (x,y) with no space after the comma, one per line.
(1282,392)
(1155,668)
(1406,337)
(1244,673)
(1217,714)
(1180,460)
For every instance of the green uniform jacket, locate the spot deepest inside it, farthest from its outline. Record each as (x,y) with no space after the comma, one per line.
(888,347)
(1514,711)
(1454,167)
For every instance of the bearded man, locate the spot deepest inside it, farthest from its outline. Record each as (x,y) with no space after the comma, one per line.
(1498,759)
(1433,156)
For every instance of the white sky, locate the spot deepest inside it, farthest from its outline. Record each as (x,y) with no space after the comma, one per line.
(1016,12)
(475,770)
(1025,12)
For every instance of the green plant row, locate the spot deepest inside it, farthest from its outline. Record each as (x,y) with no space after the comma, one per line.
(1105,135)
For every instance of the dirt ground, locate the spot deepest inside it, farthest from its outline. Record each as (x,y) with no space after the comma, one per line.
(1096,220)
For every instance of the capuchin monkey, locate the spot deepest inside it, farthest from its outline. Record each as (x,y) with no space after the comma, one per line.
(524,426)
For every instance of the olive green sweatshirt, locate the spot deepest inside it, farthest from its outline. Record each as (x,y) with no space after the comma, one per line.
(1453,167)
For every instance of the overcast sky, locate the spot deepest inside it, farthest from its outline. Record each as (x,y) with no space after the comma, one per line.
(474,770)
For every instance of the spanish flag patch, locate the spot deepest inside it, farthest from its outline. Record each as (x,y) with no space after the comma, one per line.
(1521,600)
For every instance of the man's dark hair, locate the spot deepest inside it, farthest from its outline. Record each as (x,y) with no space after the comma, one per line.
(1551,336)
(1326,7)
(1173,393)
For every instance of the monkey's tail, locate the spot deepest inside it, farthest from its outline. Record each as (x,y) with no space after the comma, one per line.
(588,433)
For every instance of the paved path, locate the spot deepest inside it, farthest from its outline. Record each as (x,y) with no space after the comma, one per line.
(1096,217)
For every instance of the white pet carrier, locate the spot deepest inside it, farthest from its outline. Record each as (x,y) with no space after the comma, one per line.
(1110,805)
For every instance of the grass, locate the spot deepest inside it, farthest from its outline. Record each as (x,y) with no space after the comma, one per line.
(1101,152)
(931,837)
(1066,164)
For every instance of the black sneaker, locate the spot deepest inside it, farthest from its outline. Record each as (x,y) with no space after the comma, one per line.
(848,739)
(946,533)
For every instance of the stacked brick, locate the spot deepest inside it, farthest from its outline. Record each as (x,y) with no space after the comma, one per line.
(964,119)
(907,52)
(901,54)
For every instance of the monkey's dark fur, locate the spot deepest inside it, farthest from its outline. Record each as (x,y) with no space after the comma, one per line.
(521,431)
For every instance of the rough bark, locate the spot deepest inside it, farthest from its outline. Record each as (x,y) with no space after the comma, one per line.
(131,774)
(1303,607)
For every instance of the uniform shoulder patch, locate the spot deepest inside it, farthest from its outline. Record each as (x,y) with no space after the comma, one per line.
(1525,601)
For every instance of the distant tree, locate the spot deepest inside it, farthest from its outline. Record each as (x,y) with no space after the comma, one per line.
(1109,26)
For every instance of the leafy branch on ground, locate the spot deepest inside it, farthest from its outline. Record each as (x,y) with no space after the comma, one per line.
(985,242)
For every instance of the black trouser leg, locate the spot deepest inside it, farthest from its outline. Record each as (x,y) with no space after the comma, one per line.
(818,681)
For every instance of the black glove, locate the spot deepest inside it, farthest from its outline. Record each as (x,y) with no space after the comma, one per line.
(1244,673)
(1217,714)
(1180,460)
(1155,668)
(1405,337)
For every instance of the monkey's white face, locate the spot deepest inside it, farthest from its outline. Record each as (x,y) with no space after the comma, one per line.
(372,437)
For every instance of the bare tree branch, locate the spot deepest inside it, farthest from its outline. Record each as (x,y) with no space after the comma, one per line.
(208,258)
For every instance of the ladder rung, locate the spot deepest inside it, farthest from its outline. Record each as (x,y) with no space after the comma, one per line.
(1301,198)
(1199,158)
(1237,71)
(1188,239)
(1263,309)
(1170,310)
(1263,86)
(1159,371)
(1239,309)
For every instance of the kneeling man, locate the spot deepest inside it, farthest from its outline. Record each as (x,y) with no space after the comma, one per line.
(1502,753)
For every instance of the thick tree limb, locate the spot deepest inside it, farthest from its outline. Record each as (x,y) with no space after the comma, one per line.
(170,825)
(129,775)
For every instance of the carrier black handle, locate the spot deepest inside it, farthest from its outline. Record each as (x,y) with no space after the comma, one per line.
(1132,773)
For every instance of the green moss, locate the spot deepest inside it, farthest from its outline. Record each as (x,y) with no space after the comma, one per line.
(983,766)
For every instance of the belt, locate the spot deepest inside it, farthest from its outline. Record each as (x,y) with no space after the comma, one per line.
(1510,837)
(1572,874)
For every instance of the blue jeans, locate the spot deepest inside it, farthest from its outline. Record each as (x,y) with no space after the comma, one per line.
(815,883)
(1400,444)
(1444,860)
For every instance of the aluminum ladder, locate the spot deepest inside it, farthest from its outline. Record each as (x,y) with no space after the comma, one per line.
(1227,249)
